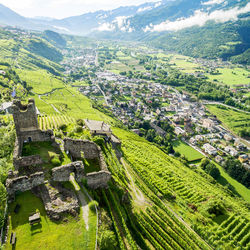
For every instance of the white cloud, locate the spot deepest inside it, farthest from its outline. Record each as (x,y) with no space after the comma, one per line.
(121,23)
(199,18)
(144,9)
(106,27)
(158,4)
(212,2)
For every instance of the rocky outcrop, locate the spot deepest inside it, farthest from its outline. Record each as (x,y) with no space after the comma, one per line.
(62,173)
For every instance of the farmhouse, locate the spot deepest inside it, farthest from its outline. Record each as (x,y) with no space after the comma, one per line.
(98,127)
(179,131)
(232,151)
(243,158)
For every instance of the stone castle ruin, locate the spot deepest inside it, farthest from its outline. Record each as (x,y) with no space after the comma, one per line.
(27,130)
(89,150)
(55,197)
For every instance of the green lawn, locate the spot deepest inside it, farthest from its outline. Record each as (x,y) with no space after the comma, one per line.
(190,153)
(70,234)
(231,119)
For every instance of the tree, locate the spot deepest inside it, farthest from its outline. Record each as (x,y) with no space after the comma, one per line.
(213,171)
(107,240)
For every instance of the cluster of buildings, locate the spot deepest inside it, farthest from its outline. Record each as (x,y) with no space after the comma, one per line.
(134,100)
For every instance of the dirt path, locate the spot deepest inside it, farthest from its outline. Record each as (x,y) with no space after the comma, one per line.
(84,203)
(39,96)
(85,209)
(139,197)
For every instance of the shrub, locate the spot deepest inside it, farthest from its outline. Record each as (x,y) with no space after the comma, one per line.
(55,160)
(92,205)
(27,150)
(99,140)
(80,122)
(78,129)
(107,240)
(63,127)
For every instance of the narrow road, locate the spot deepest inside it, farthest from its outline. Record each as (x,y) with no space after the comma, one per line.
(225,105)
(95,83)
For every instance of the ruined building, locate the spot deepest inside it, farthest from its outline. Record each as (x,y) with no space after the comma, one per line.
(30,173)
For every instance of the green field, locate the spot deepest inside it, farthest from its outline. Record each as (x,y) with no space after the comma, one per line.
(235,76)
(184,63)
(231,119)
(190,153)
(70,234)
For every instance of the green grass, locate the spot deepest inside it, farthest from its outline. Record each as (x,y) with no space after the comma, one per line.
(40,80)
(190,153)
(238,187)
(91,165)
(235,76)
(46,151)
(48,235)
(231,119)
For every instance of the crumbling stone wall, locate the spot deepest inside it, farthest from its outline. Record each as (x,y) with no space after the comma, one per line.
(81,148)
(62,173)
(24,183)
(37,135)
(27,161)
(98,179)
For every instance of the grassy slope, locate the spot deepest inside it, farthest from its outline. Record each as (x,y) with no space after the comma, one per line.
(184,149)
(50,235)
(239,188)
(67,100)
(233,120)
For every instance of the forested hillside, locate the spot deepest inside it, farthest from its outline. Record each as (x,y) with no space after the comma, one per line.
(227,41)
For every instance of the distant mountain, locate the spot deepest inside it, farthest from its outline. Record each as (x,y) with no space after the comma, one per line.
(79,25)
(202,28)
(9,17)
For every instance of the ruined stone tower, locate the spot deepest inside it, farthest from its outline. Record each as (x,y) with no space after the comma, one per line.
(26,123)
(25,117)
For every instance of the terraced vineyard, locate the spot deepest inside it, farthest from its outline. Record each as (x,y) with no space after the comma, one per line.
(176,189)
(54,121)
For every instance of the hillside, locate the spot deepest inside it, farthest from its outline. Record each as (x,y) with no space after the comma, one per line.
(154,200)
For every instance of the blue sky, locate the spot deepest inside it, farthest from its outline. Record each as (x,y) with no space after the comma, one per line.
(65,8)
